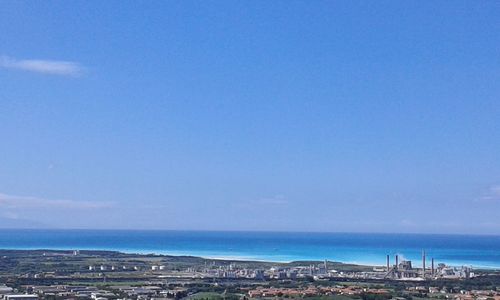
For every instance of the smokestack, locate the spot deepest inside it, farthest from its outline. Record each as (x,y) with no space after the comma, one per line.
(388,263)
(397,261)
(432,266)
(423,262)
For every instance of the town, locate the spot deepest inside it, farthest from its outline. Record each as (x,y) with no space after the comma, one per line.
(102,275)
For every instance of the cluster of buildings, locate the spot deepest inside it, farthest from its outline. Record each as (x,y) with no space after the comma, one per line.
(103,268)
(229,271)
(108,268)
(313,291)
(405,270)
(448,293)
(232,271)
(91,292)
(8,293)
(401,270)
(317,271)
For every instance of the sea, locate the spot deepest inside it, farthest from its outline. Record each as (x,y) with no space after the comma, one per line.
(479,251)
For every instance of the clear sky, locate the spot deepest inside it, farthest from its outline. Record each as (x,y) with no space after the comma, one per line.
(378,116)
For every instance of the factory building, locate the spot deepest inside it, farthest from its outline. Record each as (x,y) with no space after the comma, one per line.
(405,270)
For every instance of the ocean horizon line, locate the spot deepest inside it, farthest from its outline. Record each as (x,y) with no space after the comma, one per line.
(256,231)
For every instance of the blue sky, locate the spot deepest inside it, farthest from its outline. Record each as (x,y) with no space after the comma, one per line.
(251,115)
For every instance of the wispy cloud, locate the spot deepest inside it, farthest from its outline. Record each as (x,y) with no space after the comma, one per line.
(491,195)
(10,215)
(26,202)
(275,200)
(52,67)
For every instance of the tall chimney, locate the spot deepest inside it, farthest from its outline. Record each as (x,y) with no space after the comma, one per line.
(423,262)
(388,263)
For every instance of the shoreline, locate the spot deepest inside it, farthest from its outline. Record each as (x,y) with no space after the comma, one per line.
(222,257)
(358,249)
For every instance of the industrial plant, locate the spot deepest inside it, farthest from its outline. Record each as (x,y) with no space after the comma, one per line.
(405,270)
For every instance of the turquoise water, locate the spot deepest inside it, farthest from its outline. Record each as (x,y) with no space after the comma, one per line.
(363,248)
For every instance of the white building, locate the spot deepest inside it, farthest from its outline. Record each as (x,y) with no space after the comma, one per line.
(21,297)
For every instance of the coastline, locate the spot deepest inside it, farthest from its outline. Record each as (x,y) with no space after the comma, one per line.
(227,258)
(359,249)
(222,257)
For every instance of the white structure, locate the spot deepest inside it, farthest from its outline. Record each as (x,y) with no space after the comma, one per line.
(5,290)
(21,297)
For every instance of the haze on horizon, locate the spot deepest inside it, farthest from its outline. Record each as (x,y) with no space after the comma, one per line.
(251,115)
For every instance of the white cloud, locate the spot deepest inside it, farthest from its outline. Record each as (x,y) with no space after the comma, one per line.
(491,195)
(275,200)
(52,67)
(495,190)
(10,215)
(23,202)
